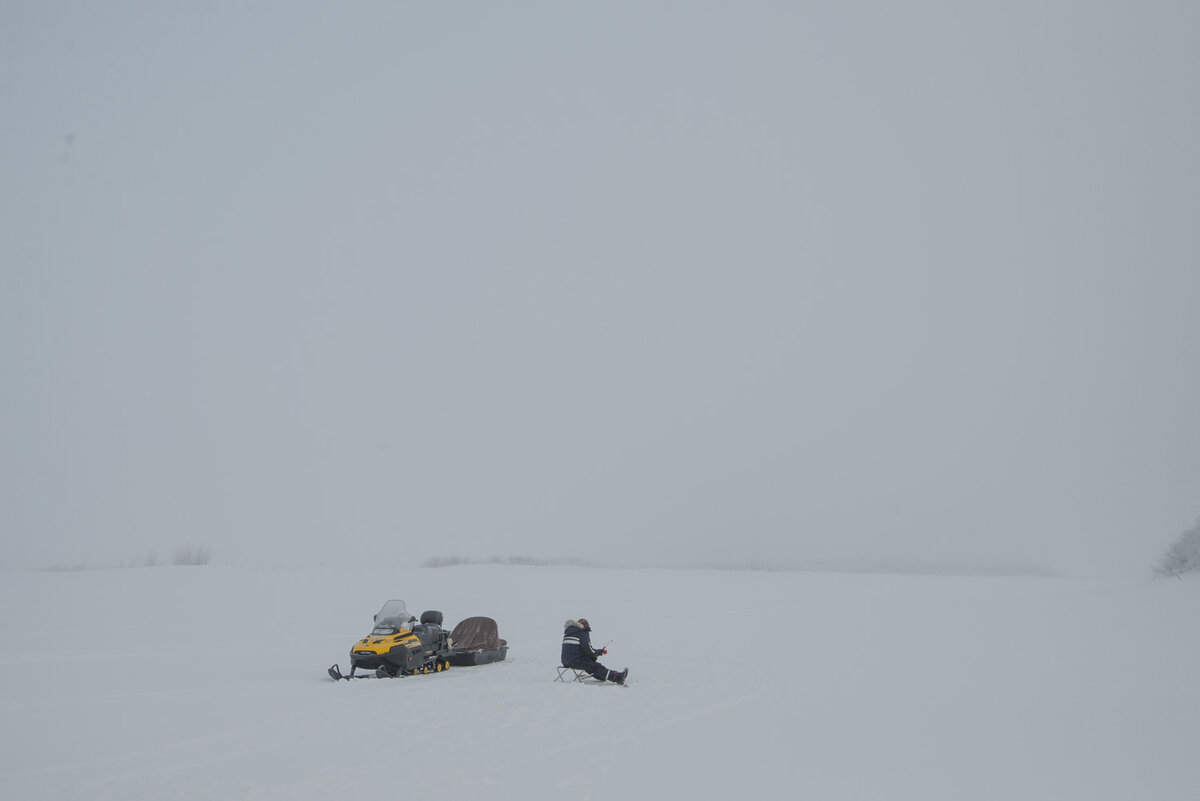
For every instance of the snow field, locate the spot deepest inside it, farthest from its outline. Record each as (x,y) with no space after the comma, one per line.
(210,683)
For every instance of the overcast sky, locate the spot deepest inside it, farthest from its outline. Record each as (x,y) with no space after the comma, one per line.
(627,281)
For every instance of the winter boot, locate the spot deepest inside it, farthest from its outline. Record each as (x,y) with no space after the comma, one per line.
(619,678)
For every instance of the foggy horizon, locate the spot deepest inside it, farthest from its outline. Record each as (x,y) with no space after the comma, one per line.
(632,283)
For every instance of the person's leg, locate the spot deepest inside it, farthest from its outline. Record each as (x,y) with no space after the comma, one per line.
(593,667)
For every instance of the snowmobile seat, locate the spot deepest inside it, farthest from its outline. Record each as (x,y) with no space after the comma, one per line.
(430,627)
(579,674)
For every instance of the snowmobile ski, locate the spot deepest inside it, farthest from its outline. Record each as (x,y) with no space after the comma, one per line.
(336,673)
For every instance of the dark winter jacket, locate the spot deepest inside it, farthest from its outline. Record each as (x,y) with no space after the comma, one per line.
(577,645)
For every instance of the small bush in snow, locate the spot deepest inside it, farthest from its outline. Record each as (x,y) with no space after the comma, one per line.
(1184,554)
(192,555)
(445,561)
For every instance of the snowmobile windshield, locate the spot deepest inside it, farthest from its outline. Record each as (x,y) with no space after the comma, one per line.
(392,618)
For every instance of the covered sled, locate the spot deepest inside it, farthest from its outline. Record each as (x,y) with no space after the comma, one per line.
(476,641)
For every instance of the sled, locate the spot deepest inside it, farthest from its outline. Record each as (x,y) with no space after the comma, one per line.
(476,641)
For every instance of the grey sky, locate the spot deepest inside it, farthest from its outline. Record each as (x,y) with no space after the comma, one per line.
(627,281)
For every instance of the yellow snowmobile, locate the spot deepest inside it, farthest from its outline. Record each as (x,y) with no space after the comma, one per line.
(399,645)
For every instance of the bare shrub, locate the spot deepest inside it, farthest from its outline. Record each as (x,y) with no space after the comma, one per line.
(192,555)
(445,561)
(1184,554)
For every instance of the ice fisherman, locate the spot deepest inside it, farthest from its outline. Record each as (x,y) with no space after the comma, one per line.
(577,652)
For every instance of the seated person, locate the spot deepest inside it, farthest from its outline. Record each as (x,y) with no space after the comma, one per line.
(577,652)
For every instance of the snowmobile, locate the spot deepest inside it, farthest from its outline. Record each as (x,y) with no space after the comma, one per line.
(476,641)
(399,646)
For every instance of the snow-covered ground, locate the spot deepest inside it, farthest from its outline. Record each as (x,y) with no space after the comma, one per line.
(209,682)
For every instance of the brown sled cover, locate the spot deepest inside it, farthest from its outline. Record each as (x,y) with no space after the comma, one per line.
(476,641)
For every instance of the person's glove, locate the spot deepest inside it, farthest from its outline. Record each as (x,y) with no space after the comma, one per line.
(603,651)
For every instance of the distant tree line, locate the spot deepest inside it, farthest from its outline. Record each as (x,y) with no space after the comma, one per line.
(451,561)
(184,555)
(1184,554)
